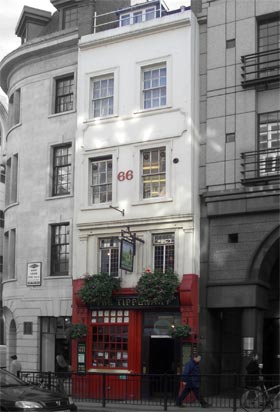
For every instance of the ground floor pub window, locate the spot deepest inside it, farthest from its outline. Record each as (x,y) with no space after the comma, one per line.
(110,339)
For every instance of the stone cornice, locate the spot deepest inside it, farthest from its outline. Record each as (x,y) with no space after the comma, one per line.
(41,46)
(122,34)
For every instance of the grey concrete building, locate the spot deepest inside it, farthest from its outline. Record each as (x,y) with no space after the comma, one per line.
(3,130)
(239,187)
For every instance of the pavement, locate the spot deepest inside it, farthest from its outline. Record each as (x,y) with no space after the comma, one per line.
(119,407)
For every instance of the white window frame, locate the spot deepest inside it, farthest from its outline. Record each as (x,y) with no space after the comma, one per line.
(104,74)
(269,162)
(86,180)
(115,239)
(68,165)
(59,75)
(167,235)
(138,188)
(129,17)
(150,175)
(150,64)
(91,185)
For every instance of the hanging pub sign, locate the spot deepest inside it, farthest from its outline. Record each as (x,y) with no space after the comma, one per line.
(127,255)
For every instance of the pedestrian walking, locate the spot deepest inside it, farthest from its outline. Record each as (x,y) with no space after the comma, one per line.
(62,369)
(15,366)
(190,380)
(252,378)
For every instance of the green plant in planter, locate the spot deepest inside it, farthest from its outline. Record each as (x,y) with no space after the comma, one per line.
(157,288)
(78,331)
(179,331)
(97,289)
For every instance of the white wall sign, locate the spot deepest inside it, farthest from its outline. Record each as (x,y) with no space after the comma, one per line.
(34,271)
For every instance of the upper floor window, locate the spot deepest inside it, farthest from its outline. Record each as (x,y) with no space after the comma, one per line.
(109,256)
(2,173)
(70,17)
(64,94)
(1,218)
(10,254)
(268,46)
(101,180)
(153,172)
(60,243)
(11,180)
(154,86)
(269,143)
(14,109)
(137,16)
(102,96)
(62,176)
(163,245)
(269,34)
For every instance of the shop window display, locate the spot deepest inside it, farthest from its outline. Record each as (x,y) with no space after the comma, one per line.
(110,339)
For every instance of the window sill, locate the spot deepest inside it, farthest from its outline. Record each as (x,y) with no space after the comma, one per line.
(58,197)
(153,109)
(15,126)
(4,281)
(152,201)
(57,277)
(61,114)
(97,120)
(100,206)
(11,205)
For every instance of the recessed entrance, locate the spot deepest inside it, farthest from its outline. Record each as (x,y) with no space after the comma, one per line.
(162,361)
(162,353)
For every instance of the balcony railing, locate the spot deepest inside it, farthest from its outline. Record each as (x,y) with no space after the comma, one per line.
(130,15)
(262,166)
(260,68)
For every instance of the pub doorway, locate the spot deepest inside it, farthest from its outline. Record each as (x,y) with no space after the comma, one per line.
(161,354)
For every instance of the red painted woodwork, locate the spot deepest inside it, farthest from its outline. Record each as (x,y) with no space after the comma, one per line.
(126,385)
(188,293)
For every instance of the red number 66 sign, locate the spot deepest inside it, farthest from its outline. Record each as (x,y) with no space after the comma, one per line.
(125,175)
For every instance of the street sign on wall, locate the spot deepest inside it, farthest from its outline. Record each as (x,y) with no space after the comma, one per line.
(34,273)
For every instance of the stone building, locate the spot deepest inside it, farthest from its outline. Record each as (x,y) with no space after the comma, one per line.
(239,187)
(3,131)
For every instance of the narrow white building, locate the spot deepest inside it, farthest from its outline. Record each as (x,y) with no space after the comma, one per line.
(136,170)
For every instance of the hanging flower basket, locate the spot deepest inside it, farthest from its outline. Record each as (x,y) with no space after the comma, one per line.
(179,331)
(78,331)
(157,288)
(98,289)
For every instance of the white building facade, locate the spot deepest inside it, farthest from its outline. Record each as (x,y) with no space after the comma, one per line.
(137,152)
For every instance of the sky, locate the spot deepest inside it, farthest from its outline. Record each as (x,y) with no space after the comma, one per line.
(10,11)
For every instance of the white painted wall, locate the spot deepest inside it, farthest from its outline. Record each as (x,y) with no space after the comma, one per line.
(123,51)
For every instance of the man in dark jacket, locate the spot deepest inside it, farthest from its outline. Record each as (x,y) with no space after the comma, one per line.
(253,371)
(190,379)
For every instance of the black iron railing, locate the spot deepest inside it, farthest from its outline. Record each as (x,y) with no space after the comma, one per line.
(262,166)
(219,390)
(260,68)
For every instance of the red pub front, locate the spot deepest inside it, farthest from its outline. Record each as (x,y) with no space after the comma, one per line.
(128,339)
